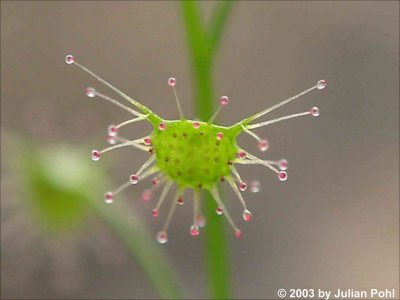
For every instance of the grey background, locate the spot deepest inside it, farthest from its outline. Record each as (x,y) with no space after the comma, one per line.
(334,224)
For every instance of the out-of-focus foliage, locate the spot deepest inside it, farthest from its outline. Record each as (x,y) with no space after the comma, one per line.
(58,183)
(62,189)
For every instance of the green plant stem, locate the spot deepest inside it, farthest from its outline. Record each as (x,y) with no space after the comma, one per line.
(202,45)
(219,19)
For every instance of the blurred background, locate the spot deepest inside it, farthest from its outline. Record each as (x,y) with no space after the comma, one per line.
(333,224)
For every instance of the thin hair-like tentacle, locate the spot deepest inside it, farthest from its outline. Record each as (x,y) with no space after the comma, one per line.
(123,95)
(253,126)
(91,92)
(217,198)
(96,153)
(162,197)
(273,107)
(172,83)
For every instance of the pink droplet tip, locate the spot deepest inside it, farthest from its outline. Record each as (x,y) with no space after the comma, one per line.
(147,141)
(282,175)
(201,221)
(238,233)
(224,100)
(314,111)
(219,210)
(247,215)
(134,179)
(146,195)
(180,200)
(220,136)
(155,181)
(243,186)
(155,212)
(255,186)
(194,230)
(110,139)
(196,125)
(162,237)
(96,155)
(162,126)
(112,130)
(90,92)
(69,59)
(283,164)
(242,154)
(108,197)
(263,145)
(171,81)
(321,84)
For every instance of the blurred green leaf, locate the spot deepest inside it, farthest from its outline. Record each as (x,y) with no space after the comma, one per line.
(63,187)
(55,182)
(218,21)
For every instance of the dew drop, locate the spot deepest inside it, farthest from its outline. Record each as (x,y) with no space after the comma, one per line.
(321,84)
(171,81)
(162,126)
(147,141)
(96,155)
(134,179)
(112,130)
(146,195)
(238,233)
(201,221)
(194,230)
(155,181)
(111,139)
(69,59)
(255,186)
(162,237)
(242,154)
(263,145)
(243,186)
(283,164)
(282,175)
(196,125)
(247,215)
(180,200)
(224,100)
(155,212)
(219,210)
(220,136)
(314,111)
(90,92)
(108,197)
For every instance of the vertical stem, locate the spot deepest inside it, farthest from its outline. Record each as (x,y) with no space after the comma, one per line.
(216,246)
(202,45)
(217,252)
(204,93)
